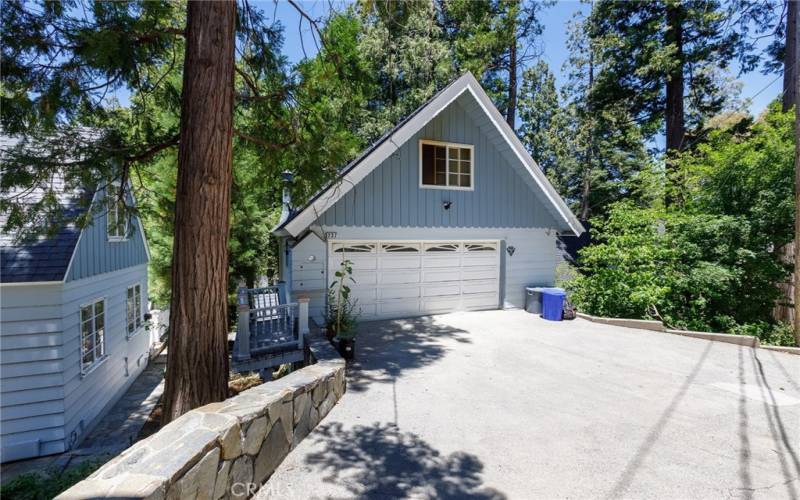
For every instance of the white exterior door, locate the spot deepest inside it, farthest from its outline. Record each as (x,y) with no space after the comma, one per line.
(411,278)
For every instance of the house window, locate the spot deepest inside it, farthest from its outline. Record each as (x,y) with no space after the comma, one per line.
(448,166)
(92,334)
(134,307)
(117,215)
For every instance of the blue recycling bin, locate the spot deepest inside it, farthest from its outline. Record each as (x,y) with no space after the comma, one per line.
(553,303)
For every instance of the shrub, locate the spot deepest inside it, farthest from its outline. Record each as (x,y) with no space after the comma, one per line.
(693,271)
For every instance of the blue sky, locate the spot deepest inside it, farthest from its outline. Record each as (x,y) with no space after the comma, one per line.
(554,19)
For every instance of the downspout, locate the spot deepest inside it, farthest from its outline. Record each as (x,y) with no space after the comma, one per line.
(286,212)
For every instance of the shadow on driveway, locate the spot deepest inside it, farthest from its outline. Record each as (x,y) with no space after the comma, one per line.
(380,461)
(385,349)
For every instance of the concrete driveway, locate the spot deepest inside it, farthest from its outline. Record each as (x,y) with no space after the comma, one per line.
(503,404)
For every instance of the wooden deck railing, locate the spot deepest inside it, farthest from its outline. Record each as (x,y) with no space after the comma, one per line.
(267,324)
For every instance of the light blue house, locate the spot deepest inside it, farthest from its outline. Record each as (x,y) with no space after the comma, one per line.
(72,327)
(446,212)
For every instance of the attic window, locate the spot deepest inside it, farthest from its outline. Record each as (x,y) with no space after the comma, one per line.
(117,225)
(446,165)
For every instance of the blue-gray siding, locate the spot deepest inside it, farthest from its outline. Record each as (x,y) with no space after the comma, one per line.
(31,386)
(95,255)
(46,406)
(504,194)
(86,397)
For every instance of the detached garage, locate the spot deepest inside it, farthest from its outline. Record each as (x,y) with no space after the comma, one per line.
(446,212)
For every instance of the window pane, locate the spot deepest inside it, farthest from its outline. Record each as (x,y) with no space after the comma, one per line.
(454,166)
(454,179)
(465,180)
(428,176)
(86,313)
(441,180)
(88,357)
(99,322)
(441,153)
(466,154)
(98,307)
(453,153)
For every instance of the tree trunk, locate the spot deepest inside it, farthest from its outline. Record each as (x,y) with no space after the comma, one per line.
(795,84)
(511,111)
(790,62)
(197,363)
(674,114)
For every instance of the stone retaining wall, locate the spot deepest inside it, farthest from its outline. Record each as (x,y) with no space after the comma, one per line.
(226,449)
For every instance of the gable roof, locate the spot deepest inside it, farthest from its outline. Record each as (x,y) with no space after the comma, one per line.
(390,142)
(46,258)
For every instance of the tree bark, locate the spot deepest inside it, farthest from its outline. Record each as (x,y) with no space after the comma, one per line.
(790,62)
(511,111)
(197,363)
(795,84)
(674,113)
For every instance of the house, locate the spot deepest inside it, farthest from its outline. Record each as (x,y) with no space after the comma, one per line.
(446,212)
(72,326)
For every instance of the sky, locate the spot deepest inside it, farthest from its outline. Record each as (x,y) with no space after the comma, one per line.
(554,19)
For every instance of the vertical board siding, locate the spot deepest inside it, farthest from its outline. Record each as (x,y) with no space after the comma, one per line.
(87,397)
(31,386)
(504,194)
(94,254)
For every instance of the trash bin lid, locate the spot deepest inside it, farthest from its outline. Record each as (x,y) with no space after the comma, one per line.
(535,288)
(553,291)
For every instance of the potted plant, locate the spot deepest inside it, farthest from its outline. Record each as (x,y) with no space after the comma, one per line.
(341,313)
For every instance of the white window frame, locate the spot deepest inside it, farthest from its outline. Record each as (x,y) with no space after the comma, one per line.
(98,360)
(113,208)
(138,319)
(447,146)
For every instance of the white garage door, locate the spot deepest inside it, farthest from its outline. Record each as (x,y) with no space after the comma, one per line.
(407,278)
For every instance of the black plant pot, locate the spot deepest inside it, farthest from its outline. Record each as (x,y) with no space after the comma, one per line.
(347,348)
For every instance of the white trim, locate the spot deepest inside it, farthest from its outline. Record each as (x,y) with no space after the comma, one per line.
(114,239)
(98,360)
(466,82)
(140,326)
(30,283)
(447,146)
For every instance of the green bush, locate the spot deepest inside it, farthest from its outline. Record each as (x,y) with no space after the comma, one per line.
(38,486)
(693,271)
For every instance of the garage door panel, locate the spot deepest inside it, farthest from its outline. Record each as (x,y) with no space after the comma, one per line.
(434,275)
(399,262)
(479,301)
(478,260)
(445,261)
(441,304)
(398,307)
(398,277)
(363,278)
(453,288)
(363,262)
(479,286)
(399,292)
(479,273)
(367,310)
(364,294)
(404,278)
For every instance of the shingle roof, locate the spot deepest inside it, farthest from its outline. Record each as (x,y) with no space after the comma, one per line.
(44,258)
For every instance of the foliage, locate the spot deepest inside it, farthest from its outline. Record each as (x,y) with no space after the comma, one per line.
(341,316)
(37,486)
(694,271)
(638,54)
(404,48)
